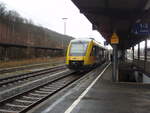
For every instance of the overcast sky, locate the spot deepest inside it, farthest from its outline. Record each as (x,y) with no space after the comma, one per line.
(49,13)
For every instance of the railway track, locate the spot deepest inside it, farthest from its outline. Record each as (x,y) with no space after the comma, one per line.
(13,69)
(25,101)
(19,79)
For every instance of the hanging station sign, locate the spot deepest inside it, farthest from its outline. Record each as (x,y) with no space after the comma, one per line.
(141,29)
(114,39)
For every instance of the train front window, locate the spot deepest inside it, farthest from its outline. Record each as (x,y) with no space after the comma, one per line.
(78,48)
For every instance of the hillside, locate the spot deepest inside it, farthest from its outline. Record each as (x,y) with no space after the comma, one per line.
(15,30)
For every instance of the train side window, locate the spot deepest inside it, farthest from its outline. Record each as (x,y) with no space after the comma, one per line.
(93,52)
(101,52)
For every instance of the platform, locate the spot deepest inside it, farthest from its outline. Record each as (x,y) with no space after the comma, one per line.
(104,97)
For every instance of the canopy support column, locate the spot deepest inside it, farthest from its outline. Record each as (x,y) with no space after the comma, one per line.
(145,54)
(145,51)
(133,53)
(115,64)
(138,51)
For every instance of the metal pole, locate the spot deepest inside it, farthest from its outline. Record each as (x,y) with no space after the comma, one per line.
(65,19)
(138,51)
(115,64)
(64,27)
(133,53)
(145,55)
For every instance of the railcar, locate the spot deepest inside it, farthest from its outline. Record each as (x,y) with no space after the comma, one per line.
(85,53)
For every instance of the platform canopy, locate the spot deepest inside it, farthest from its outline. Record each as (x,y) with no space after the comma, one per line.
(130,19)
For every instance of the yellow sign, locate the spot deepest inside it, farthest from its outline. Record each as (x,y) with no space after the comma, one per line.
(114,39)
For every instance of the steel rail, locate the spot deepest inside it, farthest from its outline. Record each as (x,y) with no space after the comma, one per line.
(21,77)
(25,101)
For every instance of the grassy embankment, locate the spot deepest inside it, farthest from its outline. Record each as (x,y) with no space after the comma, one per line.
(52,61)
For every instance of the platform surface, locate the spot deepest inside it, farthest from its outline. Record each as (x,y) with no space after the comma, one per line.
(105,97)
(108,97)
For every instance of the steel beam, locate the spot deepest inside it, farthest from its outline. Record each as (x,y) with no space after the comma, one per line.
(145,54)
(145,50)
(115,64)
(133,53)
(138,51)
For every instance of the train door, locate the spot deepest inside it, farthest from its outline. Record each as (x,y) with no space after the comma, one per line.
(93,54)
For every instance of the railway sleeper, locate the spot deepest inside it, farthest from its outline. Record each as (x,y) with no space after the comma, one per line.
(42,92)
(57,85)
(16,105)
(8,111)
(37,94)
(46,90)
(29,99)
(50,88)
(32,98)
(12,107)
(24,101)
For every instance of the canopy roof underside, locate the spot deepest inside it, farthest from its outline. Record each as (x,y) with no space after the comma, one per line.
(108,16)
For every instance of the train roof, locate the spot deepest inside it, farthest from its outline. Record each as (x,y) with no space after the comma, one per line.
(81,39)
(88,40)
